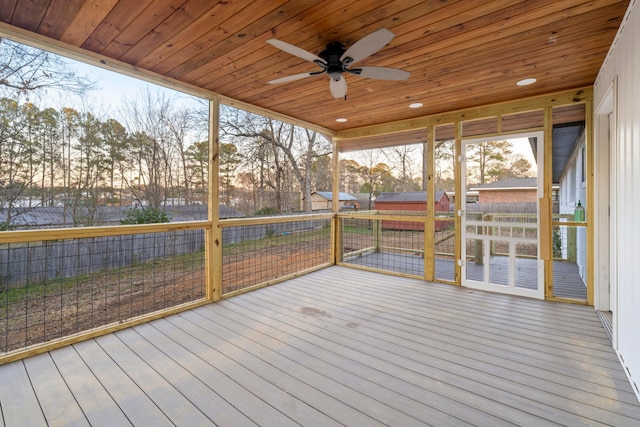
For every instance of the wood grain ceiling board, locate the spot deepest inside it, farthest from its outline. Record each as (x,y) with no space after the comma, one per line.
(461,54)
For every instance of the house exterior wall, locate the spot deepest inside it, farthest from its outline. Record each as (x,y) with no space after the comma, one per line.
(507,196)
(623,65)
(441,205)
(320,203)
(573,189)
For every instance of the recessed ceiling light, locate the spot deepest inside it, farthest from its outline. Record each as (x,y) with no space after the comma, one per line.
(341,120)
(527,82)
(415,105)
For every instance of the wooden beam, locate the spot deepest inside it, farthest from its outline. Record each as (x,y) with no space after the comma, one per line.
(573,96)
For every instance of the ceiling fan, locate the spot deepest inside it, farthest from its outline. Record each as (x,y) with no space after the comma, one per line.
(335,60)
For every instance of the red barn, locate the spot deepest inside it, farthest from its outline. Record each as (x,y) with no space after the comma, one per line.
(414,201)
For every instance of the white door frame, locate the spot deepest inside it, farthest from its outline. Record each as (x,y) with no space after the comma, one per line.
(605,190)
(486,285)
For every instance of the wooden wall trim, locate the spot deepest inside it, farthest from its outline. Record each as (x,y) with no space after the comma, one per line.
(574,96)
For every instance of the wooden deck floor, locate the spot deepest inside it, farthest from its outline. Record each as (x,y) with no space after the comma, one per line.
(336,347)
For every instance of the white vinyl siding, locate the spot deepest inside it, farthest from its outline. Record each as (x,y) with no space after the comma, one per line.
(623,64)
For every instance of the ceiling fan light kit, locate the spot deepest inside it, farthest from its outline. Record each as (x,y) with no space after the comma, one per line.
(336,60)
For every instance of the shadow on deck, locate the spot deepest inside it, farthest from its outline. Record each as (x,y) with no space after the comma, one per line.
(567,280)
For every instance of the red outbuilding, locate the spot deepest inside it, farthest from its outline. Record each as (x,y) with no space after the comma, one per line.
(415,201)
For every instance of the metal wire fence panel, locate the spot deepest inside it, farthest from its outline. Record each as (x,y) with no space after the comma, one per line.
(256,254)
(52,289)
(445,245)
(357,236)
(395,245)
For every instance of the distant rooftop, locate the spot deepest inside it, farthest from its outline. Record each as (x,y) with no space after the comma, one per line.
(329,196)
(510,183)
(410,196)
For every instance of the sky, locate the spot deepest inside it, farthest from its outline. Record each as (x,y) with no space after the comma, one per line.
(111,90)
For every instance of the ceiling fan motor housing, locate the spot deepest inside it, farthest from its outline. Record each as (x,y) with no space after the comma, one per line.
(334,66)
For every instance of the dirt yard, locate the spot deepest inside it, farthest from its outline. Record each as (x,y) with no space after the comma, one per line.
(49,311)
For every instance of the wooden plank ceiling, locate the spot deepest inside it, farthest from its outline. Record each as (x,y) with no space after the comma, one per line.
(461,54)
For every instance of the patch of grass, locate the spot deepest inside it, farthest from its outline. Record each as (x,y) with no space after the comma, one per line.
(349,229)
(127,274)
(275,240)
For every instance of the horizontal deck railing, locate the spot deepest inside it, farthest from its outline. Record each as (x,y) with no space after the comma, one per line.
(61,284)
(261,251)
(383,240)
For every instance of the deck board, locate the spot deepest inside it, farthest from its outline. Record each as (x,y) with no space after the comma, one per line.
(424,354)
(356,396)
(136,405)
(95,402)
(163,394)
(339,346)
(210,371)
(557,377)
(204,397)
(56,400)
(15,399)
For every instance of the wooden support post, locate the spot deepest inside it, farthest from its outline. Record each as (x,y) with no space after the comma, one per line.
(546,214)
(430,188)
(461,201)
(213,237)
(336,238)
(377,235)
(590,205)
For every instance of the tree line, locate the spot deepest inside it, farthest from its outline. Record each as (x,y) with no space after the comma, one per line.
(158,155)
(80,161)
(156,152)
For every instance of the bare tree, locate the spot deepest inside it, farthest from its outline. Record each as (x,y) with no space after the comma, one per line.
(275,150)
(152,146)
(13,173)
(403,158)
(24,69)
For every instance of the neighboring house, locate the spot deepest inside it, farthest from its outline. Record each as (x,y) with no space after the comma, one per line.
(322,200)
(411,201)
(511,190)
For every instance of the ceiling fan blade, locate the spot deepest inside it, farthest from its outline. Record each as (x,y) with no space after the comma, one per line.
(295,51)
(338,87)
(368,45)
(291,78)
(381,73)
